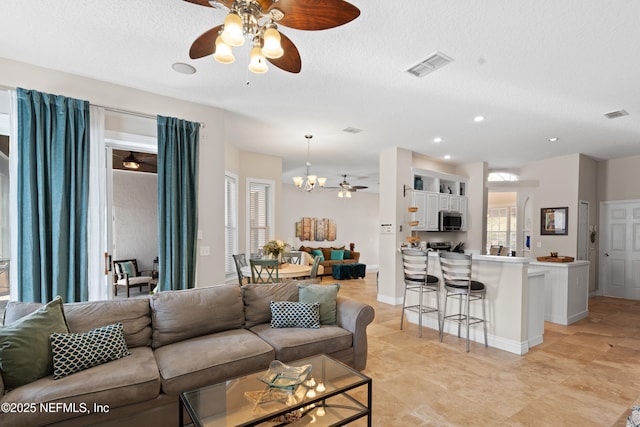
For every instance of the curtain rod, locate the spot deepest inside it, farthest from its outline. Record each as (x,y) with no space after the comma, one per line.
(112,109)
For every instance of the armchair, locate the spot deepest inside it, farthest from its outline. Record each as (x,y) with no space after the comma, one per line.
(128,275)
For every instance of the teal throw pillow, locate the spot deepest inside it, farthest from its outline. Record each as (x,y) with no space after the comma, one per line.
(317,252)
(128,268)
(77,352)
(325,295)
(337,255)
(25,351)
(347,254)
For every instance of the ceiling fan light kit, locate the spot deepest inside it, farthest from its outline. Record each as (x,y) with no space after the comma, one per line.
(256,20)
(130,162)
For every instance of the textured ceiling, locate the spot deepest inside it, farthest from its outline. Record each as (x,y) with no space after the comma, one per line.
(535,70)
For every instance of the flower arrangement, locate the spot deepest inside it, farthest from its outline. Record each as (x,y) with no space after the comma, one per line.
(275,247)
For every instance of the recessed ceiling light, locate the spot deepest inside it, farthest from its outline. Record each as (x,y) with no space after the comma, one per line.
(478,119)
(437,140)
(554,139)
(183,68)
(447,157)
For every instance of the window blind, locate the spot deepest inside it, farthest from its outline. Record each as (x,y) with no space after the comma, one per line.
(230,223)
(259,221)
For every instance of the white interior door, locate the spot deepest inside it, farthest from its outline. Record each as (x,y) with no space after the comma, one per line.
(620,249)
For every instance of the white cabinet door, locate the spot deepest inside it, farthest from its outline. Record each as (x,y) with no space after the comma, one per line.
(419,201)
(464,205)
(431,210)
(443,202)
(454,203)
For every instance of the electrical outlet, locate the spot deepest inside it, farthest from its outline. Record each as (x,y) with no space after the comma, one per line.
(205,250)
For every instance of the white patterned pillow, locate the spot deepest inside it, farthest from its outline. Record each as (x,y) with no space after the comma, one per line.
(288,314)
(76,352)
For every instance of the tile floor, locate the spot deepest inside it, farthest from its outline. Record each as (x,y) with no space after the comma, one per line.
(585,374)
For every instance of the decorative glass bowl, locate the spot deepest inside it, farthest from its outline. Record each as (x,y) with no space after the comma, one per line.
(285,377)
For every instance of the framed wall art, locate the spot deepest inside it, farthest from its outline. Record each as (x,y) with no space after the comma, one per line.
(554,221)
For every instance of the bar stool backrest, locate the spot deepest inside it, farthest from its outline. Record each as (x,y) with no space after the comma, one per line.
(456,269)
(415,264)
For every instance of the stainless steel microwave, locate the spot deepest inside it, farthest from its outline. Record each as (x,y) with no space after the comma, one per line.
(450,221)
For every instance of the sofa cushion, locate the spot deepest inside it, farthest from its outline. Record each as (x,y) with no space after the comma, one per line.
(211,359)
(289,314)
(134,314)
(119,383)
(325,295)
(258,296)
(76,352)
(180,315)
(296,343)
(25,352)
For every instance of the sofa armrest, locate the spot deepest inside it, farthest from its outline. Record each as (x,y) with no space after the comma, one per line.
(355,256)
(1,387)
(354,316)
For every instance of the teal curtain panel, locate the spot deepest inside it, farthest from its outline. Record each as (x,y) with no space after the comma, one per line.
(177,202)
(53,191)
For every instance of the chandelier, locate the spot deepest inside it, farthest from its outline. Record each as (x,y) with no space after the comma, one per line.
(243,21)
(309,182)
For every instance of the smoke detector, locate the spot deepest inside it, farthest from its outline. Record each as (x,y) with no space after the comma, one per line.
(616,114)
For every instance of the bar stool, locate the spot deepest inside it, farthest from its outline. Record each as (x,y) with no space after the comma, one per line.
(456,275)
(416,279)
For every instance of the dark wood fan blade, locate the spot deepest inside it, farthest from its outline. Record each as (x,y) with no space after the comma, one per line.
(227,3)
(359,187)
(205,44)
(315,14)
(290,61)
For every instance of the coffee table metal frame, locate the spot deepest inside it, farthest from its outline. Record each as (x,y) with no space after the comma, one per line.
(322,398)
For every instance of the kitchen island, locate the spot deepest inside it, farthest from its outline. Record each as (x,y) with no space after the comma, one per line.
(514,303)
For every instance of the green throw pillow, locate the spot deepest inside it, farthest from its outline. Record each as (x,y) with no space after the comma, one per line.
(317,252)
(324,294)
(337,255)
(347,254)
(128,268)
(25,352)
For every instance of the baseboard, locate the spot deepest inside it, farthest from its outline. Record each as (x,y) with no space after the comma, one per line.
(389,300)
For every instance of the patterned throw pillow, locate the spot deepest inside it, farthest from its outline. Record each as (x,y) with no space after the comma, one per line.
(287,314)
(77,352)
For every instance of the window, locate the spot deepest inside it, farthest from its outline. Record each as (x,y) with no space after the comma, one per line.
(230,222)
(502,176)
(501,227)
(260,213)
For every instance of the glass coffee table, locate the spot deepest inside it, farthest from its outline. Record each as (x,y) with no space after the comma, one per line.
(333,395)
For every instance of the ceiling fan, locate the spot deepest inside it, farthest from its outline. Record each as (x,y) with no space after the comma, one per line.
(143,162)
(346,189)
(258,20)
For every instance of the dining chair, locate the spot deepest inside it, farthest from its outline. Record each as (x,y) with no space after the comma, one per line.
(241,261)
(264,270)
(292,257)
(314,267)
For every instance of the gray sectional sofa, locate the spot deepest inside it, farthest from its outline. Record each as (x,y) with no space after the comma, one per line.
(180,340)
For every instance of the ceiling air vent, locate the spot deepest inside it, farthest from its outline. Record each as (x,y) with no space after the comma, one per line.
(351,129)
(430,64)
(616,114)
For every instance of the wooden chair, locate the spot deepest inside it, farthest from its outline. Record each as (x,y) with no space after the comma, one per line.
(292,257)
(264,270)
(128,275)
(241,261)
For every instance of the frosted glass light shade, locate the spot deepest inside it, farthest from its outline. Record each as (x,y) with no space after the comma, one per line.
(312,179)
(223,52)
(297,180)
(322,181)
(232,34)
(272,48)
(257,63)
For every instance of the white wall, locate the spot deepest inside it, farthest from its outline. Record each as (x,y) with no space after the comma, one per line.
(210,269)
(357,219)
(135,217)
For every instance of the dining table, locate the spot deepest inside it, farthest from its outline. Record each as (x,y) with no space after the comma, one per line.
(285,271)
